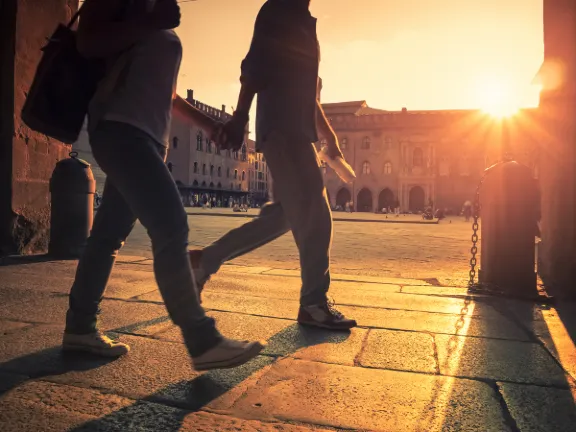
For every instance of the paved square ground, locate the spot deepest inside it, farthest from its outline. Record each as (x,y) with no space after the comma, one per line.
(403,250)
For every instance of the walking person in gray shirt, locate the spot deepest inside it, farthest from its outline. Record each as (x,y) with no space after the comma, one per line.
(129,120)
(281,67)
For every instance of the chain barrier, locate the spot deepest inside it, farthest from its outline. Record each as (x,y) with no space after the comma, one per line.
(475,226)
(473,285)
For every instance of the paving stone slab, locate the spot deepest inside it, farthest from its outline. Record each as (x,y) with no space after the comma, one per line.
(436,290)
(7,327)
(50,308)
(125,281)
(352,278)
(232,268)
(42,406)
(540,409)
(371,399)
(497,326)
(161,371)
(289,289)
(285,338)
(409,351)
(499,360)
(36,351)
(558,333)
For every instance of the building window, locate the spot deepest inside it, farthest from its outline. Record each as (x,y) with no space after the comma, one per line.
(344,143)
(211,169)
(227,172)
(235,174)
(204,169)
(175,142)
(208,146)
(170,166)
(199,141)
(243,175)
(366,143)
(387,168)
(366,168)
(417,157)
(218,150)
(195,167)
(244,152)
(236,155)
(219,171)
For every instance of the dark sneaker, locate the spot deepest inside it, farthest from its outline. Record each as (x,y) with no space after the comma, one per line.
(324,316)
(228,353)
(200,276)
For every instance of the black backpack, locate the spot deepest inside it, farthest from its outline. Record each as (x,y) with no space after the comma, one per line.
(63,86)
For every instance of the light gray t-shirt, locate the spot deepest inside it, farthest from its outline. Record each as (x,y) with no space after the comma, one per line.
(140,86)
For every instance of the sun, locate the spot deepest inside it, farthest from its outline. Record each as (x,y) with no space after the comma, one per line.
(497,97)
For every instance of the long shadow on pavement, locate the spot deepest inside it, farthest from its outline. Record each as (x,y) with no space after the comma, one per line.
(166,409)
(519,372)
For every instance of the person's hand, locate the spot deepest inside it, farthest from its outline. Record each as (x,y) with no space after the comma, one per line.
(165,15)
(218,134)
(233,131)
(333,147)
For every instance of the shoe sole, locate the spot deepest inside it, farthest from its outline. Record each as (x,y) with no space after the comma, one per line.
(90,350)
(239,360)
(328,326)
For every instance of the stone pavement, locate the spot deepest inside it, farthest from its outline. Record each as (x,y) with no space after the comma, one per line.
(339,216)
(425,358)
(416,251)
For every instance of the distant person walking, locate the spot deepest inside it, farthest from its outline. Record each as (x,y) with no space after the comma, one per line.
(129,123)
(467,210)
(282,68)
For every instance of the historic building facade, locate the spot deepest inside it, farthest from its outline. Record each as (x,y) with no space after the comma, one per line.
(203,172)
(415,159)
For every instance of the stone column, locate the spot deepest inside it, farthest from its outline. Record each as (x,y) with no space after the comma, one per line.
(26,158)
(557,156)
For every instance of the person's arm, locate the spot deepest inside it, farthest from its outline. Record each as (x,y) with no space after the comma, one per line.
(259,62)
(327,132)
(100,35)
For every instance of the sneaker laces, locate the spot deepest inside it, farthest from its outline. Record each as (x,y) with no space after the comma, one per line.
(101,337)
(331,304)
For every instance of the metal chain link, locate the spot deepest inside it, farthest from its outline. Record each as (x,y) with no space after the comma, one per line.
(475,226)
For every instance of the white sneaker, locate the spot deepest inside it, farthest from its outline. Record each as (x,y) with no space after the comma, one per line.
(228,353)
(95,343)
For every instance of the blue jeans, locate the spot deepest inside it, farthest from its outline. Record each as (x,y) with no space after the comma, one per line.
(138,186)
(300,205)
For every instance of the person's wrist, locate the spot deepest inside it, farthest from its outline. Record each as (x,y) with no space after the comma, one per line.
(241,116)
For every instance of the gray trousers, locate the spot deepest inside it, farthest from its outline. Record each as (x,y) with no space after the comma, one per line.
(138,186)
(300,204)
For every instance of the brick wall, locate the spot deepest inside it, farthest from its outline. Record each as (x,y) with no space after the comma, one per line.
(28,158)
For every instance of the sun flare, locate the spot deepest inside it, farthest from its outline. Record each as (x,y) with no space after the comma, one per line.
(497,98)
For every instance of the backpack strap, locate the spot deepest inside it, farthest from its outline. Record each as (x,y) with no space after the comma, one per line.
(75,16)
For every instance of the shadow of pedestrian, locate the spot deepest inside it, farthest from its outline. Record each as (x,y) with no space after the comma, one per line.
(166,409)
(29,259)
(44,363)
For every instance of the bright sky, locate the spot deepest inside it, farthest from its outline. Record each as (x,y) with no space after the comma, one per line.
(419,54)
